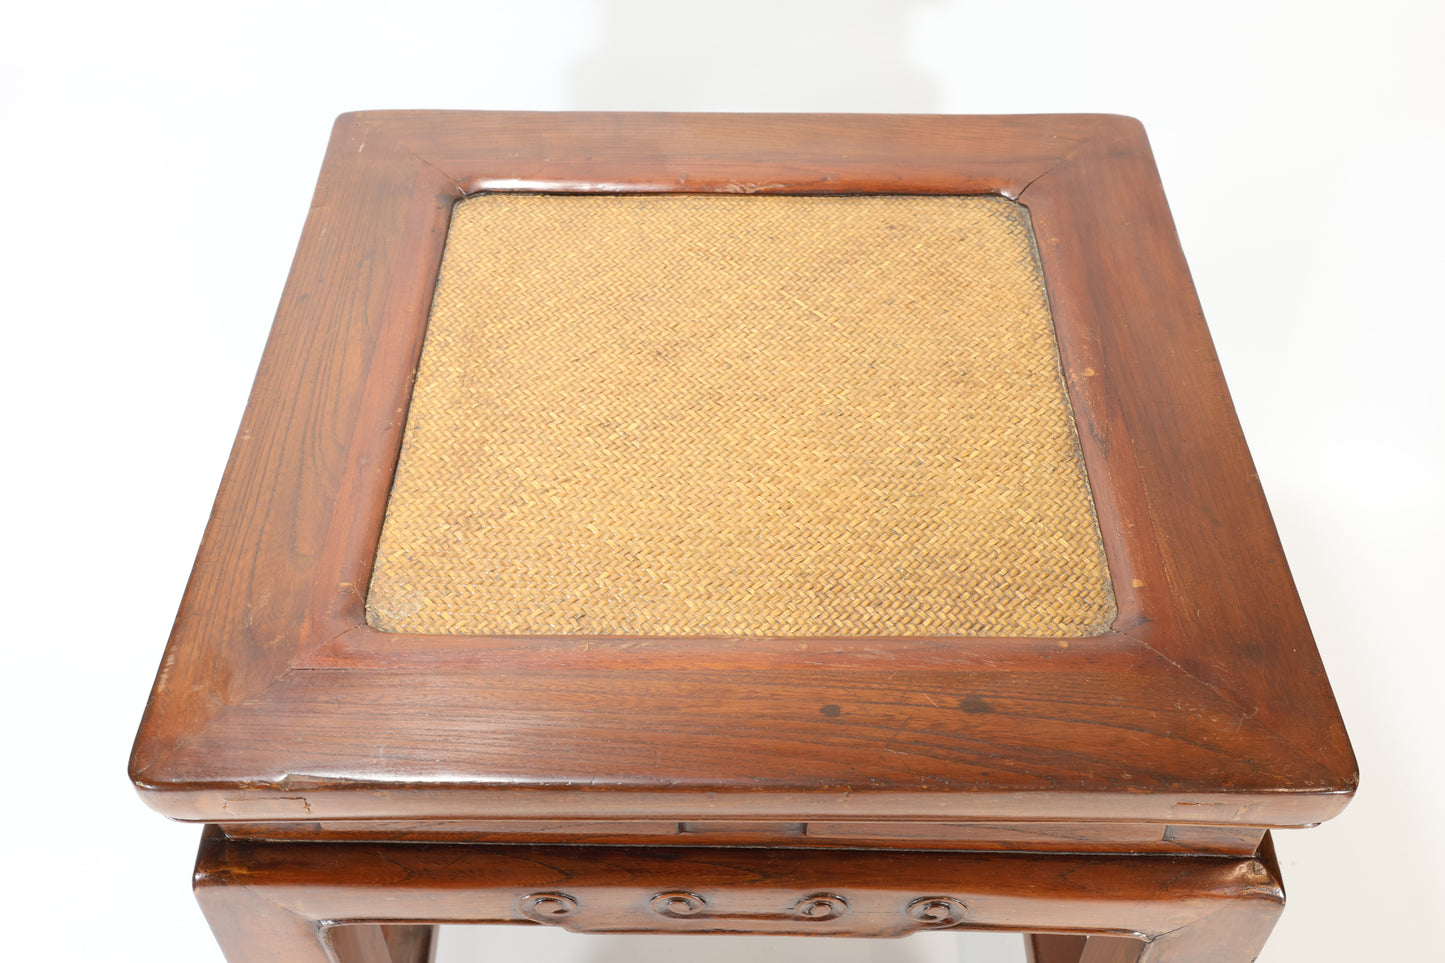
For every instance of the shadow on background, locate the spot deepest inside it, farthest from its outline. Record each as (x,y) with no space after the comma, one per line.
(762,55)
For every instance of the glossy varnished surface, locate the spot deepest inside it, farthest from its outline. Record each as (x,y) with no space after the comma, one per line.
(1035,836)
(1205,703)
(283,901)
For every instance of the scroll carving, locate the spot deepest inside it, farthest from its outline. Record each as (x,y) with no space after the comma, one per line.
(547,907)
(933,912)
(817,908)
(937,911)
(678,904)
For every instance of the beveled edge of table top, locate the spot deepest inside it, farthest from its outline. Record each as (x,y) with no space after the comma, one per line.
(1205,703)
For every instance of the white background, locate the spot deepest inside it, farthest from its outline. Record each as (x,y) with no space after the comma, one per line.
(157,164)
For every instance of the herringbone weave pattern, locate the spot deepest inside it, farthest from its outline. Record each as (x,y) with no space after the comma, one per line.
(740,415)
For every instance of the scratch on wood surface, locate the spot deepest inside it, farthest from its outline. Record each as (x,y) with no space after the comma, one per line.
(896,733)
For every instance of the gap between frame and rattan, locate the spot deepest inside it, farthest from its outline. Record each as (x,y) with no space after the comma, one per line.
(702,415)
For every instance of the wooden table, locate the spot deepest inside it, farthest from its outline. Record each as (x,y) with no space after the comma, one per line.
(678,669)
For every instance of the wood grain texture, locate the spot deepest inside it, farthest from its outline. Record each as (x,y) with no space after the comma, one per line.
(1224,609)
(736,153)
(280,901)
(1003,835)
(1205,704)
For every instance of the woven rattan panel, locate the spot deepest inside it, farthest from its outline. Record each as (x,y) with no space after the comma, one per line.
(740,415)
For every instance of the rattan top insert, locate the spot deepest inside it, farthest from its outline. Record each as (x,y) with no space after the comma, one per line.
(701,415)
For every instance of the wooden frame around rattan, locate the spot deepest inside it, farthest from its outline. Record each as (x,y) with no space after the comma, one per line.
(1206,696)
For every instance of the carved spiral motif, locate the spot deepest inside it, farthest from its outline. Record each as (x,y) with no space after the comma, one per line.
(937,911)
(820,906)
(678,904)
(547,907)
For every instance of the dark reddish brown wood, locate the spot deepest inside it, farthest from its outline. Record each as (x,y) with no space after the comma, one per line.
(1020,836)
(1111,949)
(277,901)
(738,153)
(1201,718)
(1234,933)
(411,944)
(354,943)
(1053,947)
(1206,704)
(1225,611)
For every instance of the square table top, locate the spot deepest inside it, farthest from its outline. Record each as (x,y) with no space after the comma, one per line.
(741,466)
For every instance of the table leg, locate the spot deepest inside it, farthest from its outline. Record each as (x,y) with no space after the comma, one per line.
(411,944)
(1053,947)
